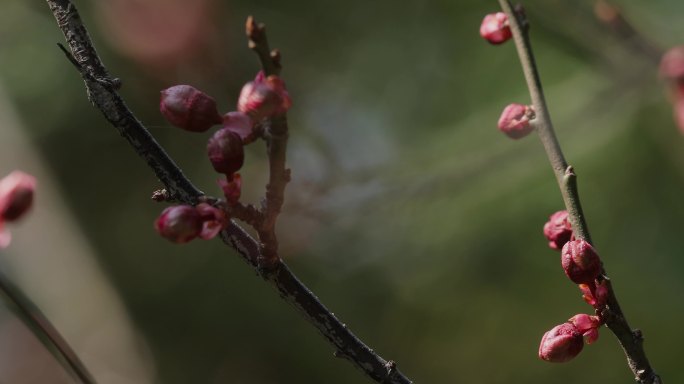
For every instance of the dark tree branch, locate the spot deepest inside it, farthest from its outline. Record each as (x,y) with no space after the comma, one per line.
(102,93)
(630,340)
(44,330)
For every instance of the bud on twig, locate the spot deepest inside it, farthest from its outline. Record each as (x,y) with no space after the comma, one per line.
(189,108)
(264,97)
(226,151)
(495,29)
(179,223)
(558,229)
(515,120)
(580,262)
(562,343)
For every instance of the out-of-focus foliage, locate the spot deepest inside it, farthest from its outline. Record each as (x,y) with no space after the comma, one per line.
(409,214)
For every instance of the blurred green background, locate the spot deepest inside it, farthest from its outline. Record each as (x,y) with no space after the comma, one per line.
(409,214)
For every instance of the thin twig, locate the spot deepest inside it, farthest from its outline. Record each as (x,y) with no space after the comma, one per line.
(630,340)
(29,313)
(102,93)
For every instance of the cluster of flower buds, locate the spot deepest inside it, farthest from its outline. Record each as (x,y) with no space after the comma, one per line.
(565,341)
(583,267)
(515,118)
(672,69)
(495,28)
(192,110)
(16,198)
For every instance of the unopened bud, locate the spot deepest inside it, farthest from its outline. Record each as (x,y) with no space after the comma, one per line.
(495,28)
(595,294)
(226,151)
(672,64)
(580,262)
(189,108)
(264,97)
(515,120)
(558,230)
(587,325)
(214,220)
(16,195)
(179,223)
(562,343)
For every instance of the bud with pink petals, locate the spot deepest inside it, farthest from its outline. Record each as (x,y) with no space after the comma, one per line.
(580,262)
(179,223)
(240,123)
(562,343)
(495,28)
(587,325)
(16,195)
(226,151)
(515,120)
(189,108)
(214,220)
(558,230)
(264,97)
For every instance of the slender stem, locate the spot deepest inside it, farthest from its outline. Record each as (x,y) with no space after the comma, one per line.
(29,313)
(102,92)
(630,340)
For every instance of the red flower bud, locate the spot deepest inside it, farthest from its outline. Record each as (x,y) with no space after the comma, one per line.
(495,28)
(580,262)
(16,195)
(189,108)
(239,123)
(558,230)
(226,151)
(179,223)
(232,187)
(587,325)
(264,97)
(214,220)
(515,120)
(562,343)
(672,63)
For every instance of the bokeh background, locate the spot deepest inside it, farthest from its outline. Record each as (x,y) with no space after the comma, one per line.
(409,214)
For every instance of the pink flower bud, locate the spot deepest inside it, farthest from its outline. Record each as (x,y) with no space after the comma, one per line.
(515,120)
(495,28)
(189,108)
(558,230)
(562,343)
(587,325)
(580,262)
(226,151)
(179,223)
(672,63)
(264,97)
(238,122)
(232,187)
(214,220)
(16,195)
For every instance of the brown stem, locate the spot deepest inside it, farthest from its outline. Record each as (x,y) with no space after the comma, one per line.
(630,340)
(102,93)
